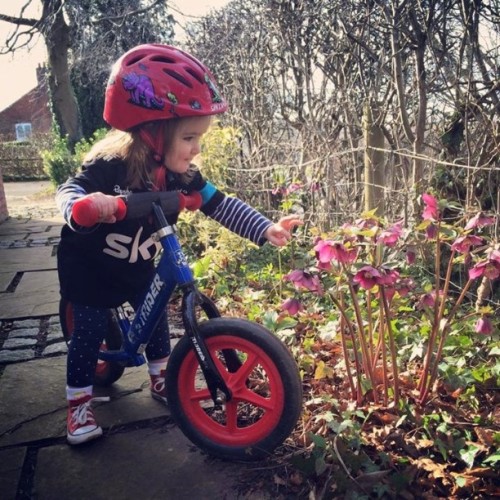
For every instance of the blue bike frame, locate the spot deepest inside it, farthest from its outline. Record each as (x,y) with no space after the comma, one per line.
(172,271)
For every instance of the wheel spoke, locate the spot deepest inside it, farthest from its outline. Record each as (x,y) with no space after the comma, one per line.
(255,399)
(238,379)
(232,417)
(200,395)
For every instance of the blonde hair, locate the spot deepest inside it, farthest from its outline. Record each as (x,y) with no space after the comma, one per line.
(132,150)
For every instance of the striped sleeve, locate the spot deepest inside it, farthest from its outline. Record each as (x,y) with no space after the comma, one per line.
(241,219)
(66,196)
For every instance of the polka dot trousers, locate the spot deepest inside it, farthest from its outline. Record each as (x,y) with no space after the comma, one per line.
(90,324)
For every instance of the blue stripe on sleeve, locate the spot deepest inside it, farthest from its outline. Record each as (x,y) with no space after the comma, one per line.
(207,192)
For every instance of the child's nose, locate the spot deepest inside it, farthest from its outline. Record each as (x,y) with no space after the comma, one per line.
(196,148)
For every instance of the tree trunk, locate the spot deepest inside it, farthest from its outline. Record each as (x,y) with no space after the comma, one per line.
(64,103)
(374,161)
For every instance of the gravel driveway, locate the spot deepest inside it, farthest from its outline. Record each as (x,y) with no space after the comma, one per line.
(34,199)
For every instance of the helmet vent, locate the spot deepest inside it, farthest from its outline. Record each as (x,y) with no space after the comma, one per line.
(178,77)
(163,59)
(195,75)
(134,60)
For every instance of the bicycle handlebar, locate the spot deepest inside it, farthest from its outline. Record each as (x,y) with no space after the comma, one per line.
(86,214)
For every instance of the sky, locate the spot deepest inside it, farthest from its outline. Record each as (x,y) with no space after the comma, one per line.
(20,70)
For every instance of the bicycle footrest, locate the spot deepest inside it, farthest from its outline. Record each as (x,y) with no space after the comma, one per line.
(120,356)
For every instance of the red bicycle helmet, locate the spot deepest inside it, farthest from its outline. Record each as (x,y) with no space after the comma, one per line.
(159,82)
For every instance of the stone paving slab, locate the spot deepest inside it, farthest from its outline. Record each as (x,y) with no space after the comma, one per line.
(37,294)
(6,280)
(145,464)
(11,464)
(22,227)
(54,231)
(34,404)
(27,259)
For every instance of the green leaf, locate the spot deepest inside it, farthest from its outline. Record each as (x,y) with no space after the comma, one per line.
(319,441)
(286,323)
(320,466)
(269,320)
(469,455)
(493,459)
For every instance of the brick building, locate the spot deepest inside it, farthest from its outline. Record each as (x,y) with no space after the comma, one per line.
(30,115)
(4,212)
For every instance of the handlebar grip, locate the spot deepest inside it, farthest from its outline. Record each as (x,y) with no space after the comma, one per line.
(121,209)
(191,201)
(86,214)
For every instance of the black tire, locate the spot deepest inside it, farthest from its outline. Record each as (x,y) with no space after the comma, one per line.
(107,372)
(267,399)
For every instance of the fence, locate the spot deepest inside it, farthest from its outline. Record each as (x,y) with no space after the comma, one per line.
(21,161)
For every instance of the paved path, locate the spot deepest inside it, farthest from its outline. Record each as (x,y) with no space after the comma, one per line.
(142,455)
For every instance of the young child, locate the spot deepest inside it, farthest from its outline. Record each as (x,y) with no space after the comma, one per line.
(159,102)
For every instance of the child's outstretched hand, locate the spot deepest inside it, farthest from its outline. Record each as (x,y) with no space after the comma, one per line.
(280,233)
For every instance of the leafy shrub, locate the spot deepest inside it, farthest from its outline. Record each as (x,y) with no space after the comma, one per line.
(59,163)
(83,147)
(393,317)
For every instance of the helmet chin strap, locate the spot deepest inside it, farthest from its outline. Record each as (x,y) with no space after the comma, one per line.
(155,141)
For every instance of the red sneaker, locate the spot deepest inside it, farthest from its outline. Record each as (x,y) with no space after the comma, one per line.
(81,422)
(157,387)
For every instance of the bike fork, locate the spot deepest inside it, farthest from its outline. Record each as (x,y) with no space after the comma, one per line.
(219,391)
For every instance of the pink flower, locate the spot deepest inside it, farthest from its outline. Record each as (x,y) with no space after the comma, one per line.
(389,291)
(494,256)
(302,279)
(487,268)
(404,286)
(428,299)
(463,243)
(292,306)
(479,220)
(324,266)
(295,186)
(391,235)
(388,277)
(366,223)
(411,255)
(431,211)
(484,326)
(367,277)
(327,250)
(278,190)
(315,186)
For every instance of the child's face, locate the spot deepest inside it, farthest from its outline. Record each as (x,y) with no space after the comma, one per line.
(185,143)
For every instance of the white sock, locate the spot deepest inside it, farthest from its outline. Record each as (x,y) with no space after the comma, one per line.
(73,393)
(155,367)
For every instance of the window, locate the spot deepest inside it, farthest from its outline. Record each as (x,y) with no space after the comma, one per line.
(23,131)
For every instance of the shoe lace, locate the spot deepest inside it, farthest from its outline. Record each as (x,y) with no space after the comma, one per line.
(159,384)
(80,413)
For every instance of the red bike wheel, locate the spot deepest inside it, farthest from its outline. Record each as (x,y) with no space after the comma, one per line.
(266,391)
(107,372)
